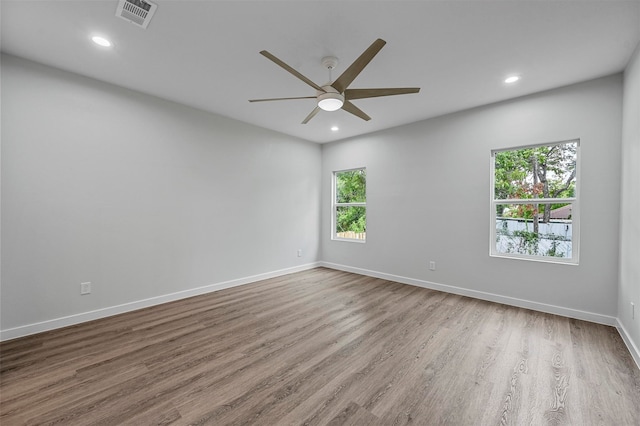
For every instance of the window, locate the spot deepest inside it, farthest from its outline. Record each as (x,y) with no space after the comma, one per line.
(534,202)
(350,205)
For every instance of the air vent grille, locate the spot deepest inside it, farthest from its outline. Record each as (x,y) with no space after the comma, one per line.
(138,12)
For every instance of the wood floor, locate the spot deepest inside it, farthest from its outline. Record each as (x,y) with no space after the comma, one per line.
(322,347)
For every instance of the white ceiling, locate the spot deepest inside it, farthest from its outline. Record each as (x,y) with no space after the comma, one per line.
(205,53)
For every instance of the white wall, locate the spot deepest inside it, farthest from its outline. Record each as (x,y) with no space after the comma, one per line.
(424,175)
(629,290)
(140,196)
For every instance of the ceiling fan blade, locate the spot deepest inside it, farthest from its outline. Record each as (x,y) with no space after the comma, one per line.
(349,107)
(291,70)
(374,93)
(281,99)
(357,66)
(311,115)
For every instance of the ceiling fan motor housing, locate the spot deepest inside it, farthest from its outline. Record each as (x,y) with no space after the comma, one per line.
(331,99)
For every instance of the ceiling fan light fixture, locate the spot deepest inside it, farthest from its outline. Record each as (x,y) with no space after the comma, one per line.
(330,101)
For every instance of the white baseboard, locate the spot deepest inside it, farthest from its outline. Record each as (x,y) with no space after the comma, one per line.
(635,352)
(53,324)
(491,297)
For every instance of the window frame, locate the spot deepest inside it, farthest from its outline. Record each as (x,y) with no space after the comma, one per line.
(335,205)
(574,201)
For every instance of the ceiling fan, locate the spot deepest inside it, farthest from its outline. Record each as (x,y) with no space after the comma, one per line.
(337,95)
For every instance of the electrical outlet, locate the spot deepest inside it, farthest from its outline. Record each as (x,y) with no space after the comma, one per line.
(432,265)
(299,252)
(85,288)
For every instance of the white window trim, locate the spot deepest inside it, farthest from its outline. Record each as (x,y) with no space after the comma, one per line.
(575,211)
(335,205)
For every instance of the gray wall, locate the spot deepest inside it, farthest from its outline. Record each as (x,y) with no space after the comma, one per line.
(140,196)
(630,209)
(423,176)
(148,199)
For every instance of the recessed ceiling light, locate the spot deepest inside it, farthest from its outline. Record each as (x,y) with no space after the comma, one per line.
(101,41)
(512,79)
(335,129)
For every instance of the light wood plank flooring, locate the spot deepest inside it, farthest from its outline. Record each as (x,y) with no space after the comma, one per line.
(322,347)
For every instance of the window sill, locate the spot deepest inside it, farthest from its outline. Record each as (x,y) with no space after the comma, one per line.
(349,240)
(553,260)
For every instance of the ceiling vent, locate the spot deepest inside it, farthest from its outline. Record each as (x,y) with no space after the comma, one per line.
(138,12)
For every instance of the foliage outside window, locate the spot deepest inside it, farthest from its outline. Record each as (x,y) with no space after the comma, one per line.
(534,203)
(350,205)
